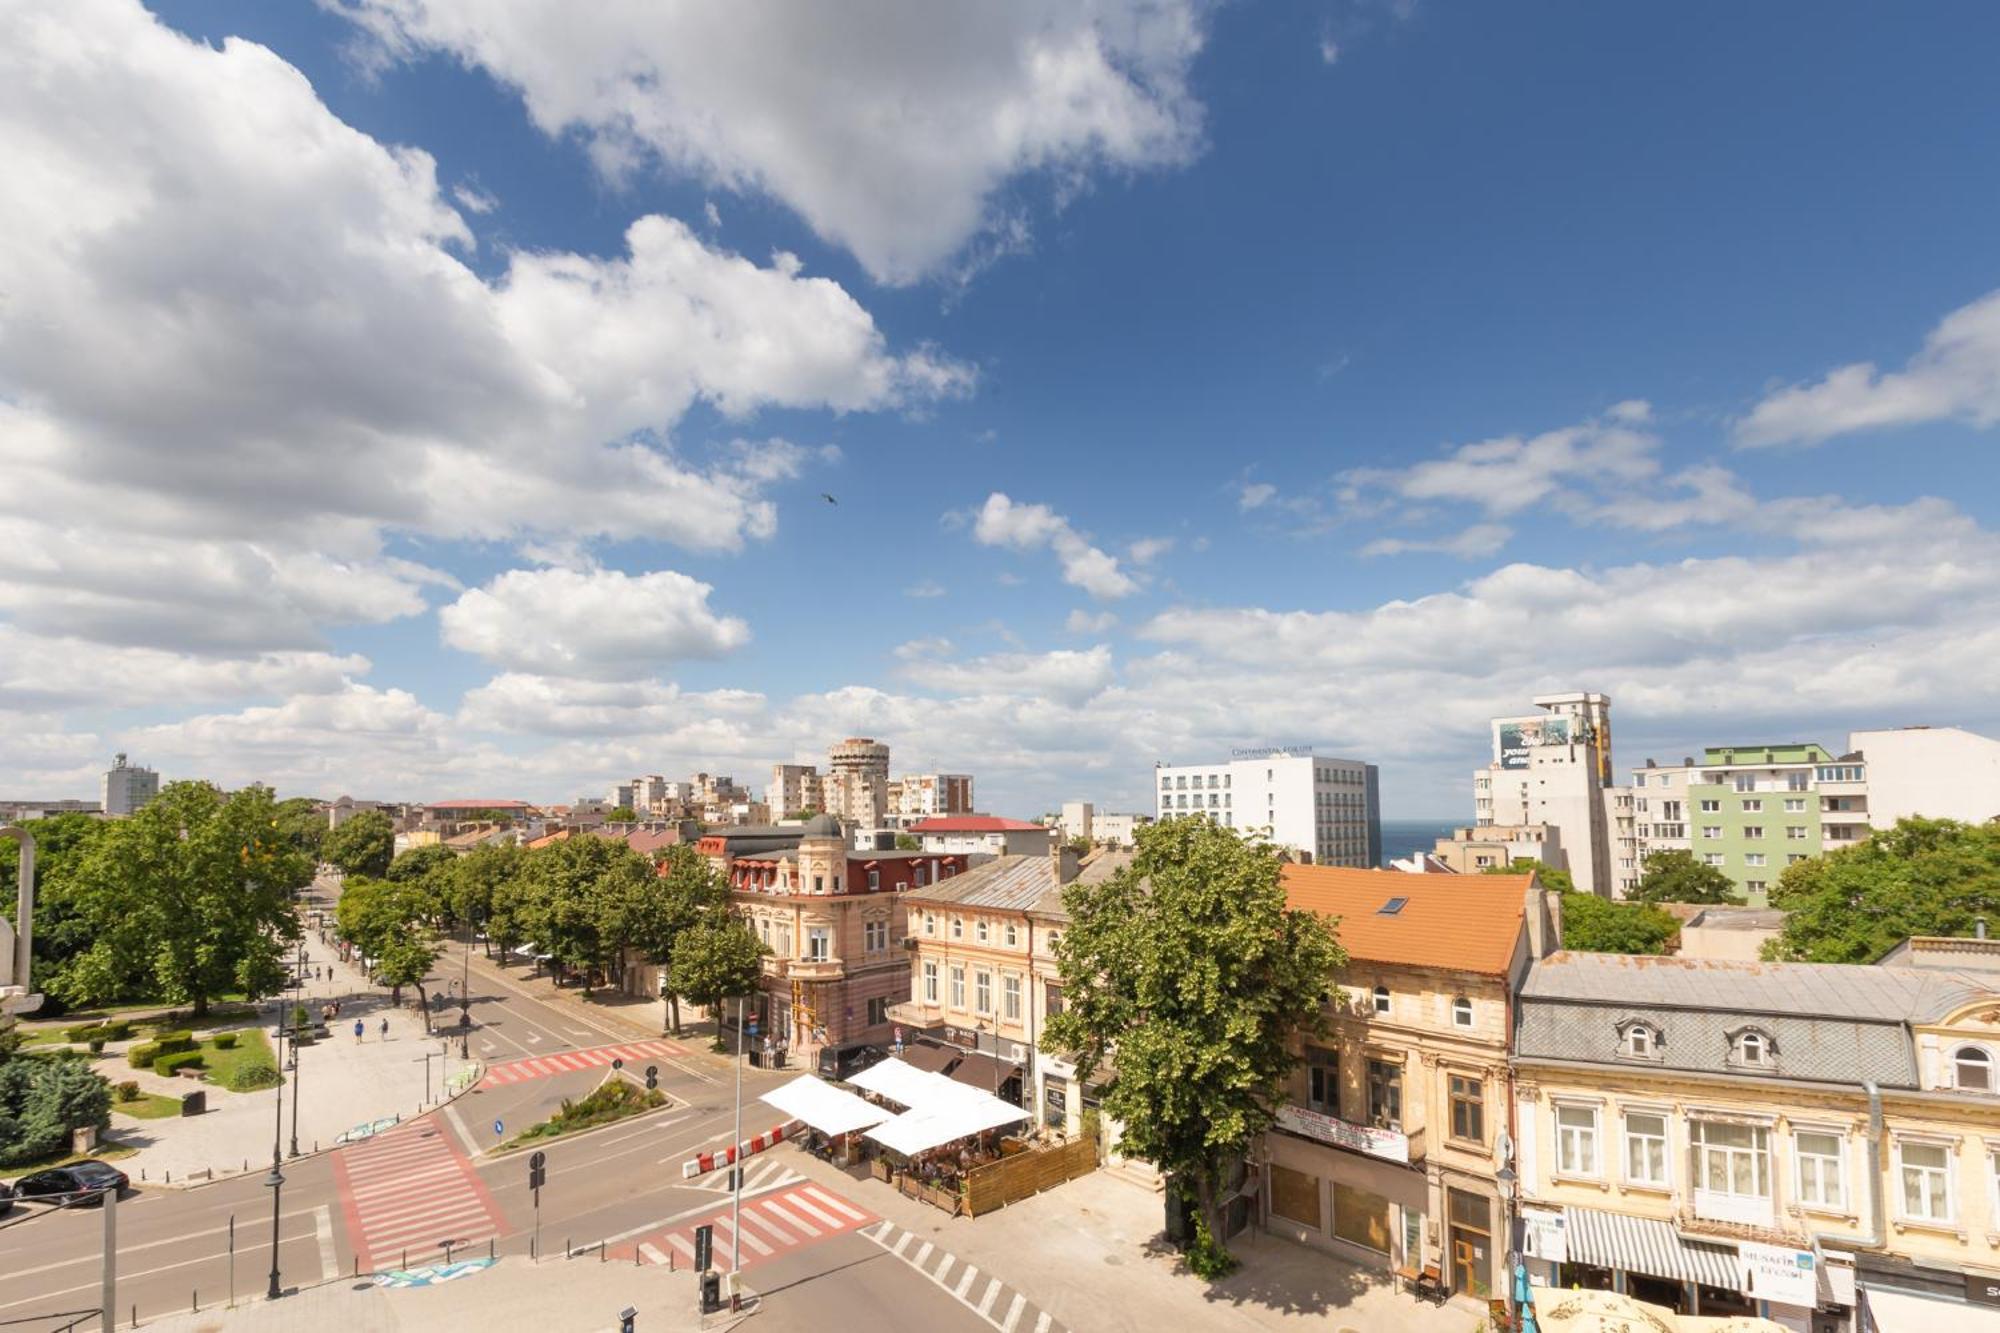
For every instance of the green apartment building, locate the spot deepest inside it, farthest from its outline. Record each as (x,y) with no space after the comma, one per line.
(1748,810)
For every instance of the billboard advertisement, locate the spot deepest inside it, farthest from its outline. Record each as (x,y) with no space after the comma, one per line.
(1513,737)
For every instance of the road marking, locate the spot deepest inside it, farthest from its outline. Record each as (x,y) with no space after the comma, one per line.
(924,1253)
(1014,1313)
(123,1276)
(805,1205)
(834,1202)
(784,1237)
(772,1206)
(887,1236)
(653,1255)
(965,1282)
(903,1244)
(944,1268)
(534,1038)
(755,1236)
(1042,1324)
(680,1243)
(458,1126)
(182,1239)
(986,1302)
(329,1262)
(747,1238)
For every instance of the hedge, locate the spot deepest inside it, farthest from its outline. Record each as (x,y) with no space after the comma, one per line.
(168,1064)
(142,1055)
(117,1031)
(249,1078)
(173,1043)
(82,1032)
(224,1040)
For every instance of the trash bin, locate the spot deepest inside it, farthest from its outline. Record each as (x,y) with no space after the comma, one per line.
(194,1103)
(756,1058)
(711,1292)
(778,1059)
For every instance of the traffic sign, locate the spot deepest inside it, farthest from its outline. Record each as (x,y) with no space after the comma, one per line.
(618,1064)
(652,1076)
(499,1127)
(753,1027)
(704,1248)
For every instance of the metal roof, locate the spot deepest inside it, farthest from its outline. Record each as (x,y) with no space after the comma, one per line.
(1826,990)
(1008,883)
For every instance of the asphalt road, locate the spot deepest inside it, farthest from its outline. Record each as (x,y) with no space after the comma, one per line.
(621,1186)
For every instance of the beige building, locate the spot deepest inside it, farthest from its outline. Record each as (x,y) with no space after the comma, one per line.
(1815,1143)
(794,789)
(1473,851)
(1389,1136)
(1554,768)
(922,795)
(856,785)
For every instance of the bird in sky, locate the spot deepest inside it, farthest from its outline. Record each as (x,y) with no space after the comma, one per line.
(828,498)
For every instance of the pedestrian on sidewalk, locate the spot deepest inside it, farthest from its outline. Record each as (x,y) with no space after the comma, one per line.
(385,1029)
(357,1031)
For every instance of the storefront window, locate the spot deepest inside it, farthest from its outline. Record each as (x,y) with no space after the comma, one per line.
(1471,1242)
(1295,1196)
(1360,1217)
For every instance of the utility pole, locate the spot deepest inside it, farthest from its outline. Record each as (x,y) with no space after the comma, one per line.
(465,995)
(108,1297)
(276,1180)
(736,1178)
(298,975)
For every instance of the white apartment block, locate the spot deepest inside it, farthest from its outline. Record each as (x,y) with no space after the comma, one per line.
(1078,820)
(856,785)
(922,795)
(1326,809)
(1554,768)
(127,788)
(794,788)
(1116,830)
(1936,772)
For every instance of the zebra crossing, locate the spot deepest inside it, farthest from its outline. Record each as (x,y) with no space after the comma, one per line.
(759,1175)
(987,1296)
(406,1192)
(568,1062)
(774,1223)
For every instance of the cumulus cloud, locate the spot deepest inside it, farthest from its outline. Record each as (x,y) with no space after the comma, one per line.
(1510,473)
(1148,549)
(595,624)
(1081,621)
(1032,527)
(1067,676)
(925,588)
(1476,542)
(1955,376)
(891,128)
(1254,495)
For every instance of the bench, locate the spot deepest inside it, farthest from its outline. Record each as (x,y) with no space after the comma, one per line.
(1426,1284)
(190,1071)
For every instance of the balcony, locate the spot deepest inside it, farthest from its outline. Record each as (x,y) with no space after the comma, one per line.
(775,967)
(1731,1210)
(817,969)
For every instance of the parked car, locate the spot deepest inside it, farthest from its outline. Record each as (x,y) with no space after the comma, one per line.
(6,1198)
(839,1063)
(79,1180)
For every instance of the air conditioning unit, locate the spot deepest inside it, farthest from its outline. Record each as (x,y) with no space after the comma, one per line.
(910,942)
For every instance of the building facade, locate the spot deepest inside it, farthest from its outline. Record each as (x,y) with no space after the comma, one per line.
(1387,1142)
(1077,820)
(128,788)
(1553,768)
(794,789)
(1475,850)
(856,785)
(1326,810)
(1117,830)
(1935,772)
(983,835)
(922,795)
(1818,1144)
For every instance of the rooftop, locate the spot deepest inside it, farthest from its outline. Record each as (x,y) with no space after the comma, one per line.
(1006,883)
(1824,990)
(477,805)
(974,824)
(1469,923)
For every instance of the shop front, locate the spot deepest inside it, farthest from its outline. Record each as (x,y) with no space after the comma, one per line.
(1359,1201)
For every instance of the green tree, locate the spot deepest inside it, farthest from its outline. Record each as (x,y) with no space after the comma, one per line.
(188,899)
(432,871)
(651,912)
(301,820)
(393,925)
(715,961)
(1597,925)
(1561,881)
(42,1101)
(576,892)
(364,845)
(480,878)
(61,930)
(907,842)
(1922,877)
(1676,877)
(1187,972)
(1079,844)
(624,814)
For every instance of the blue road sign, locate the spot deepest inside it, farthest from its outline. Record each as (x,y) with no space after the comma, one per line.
(499,1127)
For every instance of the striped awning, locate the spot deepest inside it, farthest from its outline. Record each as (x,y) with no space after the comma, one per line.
(1646,1245)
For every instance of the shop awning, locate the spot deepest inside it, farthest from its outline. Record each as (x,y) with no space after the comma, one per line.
(905,1084)
(1646,1245)
(1900,1312)
(826,1108)
(984,1072)
(920,1131)
(930,1059)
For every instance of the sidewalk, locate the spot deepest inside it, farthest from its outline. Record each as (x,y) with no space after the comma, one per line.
(556,1296)
(344,1083)
(1091,1254)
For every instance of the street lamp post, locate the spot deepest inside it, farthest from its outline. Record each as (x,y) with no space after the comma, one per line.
(276,1180)
(465,996)
(1507,1181)
(297,974)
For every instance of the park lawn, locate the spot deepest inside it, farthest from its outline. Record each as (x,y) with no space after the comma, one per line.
(103,1152)
(251,1048)
(149,1106)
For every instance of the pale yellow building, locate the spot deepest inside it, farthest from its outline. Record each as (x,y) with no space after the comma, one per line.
(1815,1143)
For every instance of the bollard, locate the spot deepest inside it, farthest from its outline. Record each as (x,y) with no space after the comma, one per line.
(357,1265)
(601,1253)
(170,1177)
(569,1251)
(490,1253)
(670,1261)
(194,1300)
(406,1256)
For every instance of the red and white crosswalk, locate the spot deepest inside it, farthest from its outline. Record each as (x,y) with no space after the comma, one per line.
(566,1062)
(786,1219)
(409,1190)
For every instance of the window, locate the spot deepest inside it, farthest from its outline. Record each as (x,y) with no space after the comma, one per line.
(819,943)
(1755,885)
(1753,807)
(1796,782)
(1381,999)
(930,923)
(1646,1148)
(1323,1080)
(1972,1069)
(1731,1159)
(1746,782)
(1011,934)
(1795,833)
(875,935)
(874,880)
(982,992)
(1711,830)
(1795,805)
(1576,1140)
(878,1010)
(1010,998)
(1751,1048)
(819,884)
(1753,831)
(980,930)
(1926,1172)
(1385,1094)
(1711,807)
(958,988)
(1468,1109)
(1461,1012)
(1753,858)
(930,983)
(1822,1179)
(1639,1040)
(958,927)
(1714,859)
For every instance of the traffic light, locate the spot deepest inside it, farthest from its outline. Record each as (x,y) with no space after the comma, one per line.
(652,1077)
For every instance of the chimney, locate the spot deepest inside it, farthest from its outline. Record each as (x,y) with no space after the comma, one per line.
(1062,858)
(1542,911)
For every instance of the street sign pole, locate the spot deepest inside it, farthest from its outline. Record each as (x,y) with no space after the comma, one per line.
(538,1176)
(736,1183)
(109,1295)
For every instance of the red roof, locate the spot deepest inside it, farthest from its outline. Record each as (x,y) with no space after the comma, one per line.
(974,824)
(476,805)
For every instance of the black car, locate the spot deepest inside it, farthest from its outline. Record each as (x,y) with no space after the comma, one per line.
(6,1197)
(77,1181)
(842,1062)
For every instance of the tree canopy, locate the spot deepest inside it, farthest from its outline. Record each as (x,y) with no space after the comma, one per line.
(1561,881)
(187,899)
(301,820)
(1598,925)
(1186,972)
(624,814)
(364,845)
(62,931)
(716,961)
(1922,877)
(1676,877)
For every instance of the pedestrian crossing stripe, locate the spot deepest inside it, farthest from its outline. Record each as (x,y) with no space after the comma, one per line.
(634,1054)
(787,1218)
(996,1304)
(767,1175)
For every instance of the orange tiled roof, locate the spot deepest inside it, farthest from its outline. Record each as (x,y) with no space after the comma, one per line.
(1468,922)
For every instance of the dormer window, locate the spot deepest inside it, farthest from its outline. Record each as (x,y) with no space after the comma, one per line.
(979,929)
(1972,1069)
(958,927)
(1752,1047)
(1640,1041)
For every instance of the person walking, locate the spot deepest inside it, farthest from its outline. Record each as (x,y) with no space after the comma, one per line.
(385,1029)
(357,1030)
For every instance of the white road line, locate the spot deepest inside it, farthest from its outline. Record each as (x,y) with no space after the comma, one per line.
(798,1200)
(783,1236)
(924,1253)
(904,1243)
(329,1262)
(654,1254)
(985,1306)
(1013,1313)
(1042,1324)
(458,1127)
(834,1202)
(748,1239)
(682,1244)
(965,1282)
(943,1268)
(875,1233)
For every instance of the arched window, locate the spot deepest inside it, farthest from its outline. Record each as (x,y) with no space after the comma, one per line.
(958,927)
(1381,999)
(1753,1048)
(1461,1012)
(1973,1068)
(1637,1039)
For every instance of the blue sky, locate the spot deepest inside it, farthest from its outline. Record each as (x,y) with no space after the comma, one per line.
(1189,377)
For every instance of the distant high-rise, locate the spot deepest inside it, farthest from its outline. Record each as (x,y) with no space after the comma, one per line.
(1327,810)
(128,788)
(856,786)
(1553,768)
(794,789)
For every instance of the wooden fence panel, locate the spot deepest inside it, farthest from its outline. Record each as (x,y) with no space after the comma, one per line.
(1000,1183)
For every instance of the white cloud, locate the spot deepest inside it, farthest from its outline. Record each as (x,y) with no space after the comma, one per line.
(925,588)
(41,672)
(1510,473)
(1474,543)
(1081,621)
(1955,376)
(712,214)
(1031,527)
(892,128)
(1329,50)
(1148,549)
(549,706)
(597,624)
(473,199)
(1066,676)
(1255,495)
